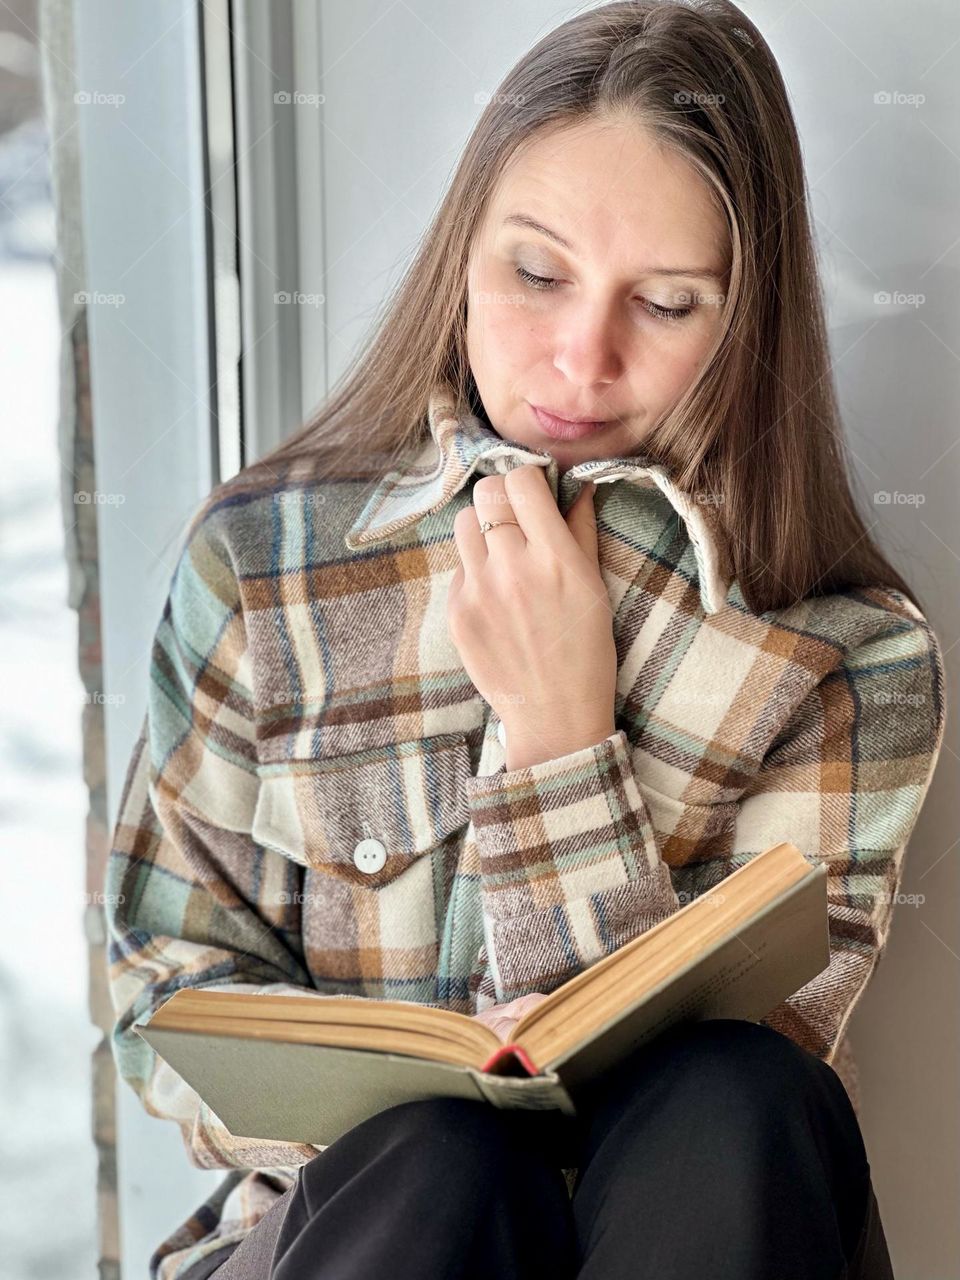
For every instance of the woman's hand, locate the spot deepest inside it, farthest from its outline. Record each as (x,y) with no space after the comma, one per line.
(530,616)
(502,1018)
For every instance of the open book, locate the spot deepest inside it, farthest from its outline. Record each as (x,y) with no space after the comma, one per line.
(309,1068)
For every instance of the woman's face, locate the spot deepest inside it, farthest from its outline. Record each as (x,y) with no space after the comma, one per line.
(587,340)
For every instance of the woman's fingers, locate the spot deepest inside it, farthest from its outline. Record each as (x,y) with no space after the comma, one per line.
(529,494)
(502,1018)
(491,502)
(470,541)
(498,1023)
(582,522)
(523,1004)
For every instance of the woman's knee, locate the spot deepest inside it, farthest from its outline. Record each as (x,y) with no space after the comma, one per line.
(754,1063)
(734,1071)
(453,1137)
(466,1122)
(735,1049)
(733,1052)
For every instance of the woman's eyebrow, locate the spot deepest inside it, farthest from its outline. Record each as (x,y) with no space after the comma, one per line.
(524,220)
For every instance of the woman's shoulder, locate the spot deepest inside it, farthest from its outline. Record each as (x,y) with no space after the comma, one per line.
(282,515)
(887,656)
(856,616)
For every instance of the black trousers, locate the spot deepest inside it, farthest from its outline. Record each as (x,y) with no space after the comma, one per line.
(720,1151)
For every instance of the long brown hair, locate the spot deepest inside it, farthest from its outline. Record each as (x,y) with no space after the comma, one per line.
(759,431)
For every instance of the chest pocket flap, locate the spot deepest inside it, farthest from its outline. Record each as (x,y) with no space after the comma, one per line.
(365,816)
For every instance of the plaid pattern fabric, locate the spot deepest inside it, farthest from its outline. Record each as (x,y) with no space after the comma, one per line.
(318,800)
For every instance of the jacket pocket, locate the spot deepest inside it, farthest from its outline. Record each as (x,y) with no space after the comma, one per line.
(687,832)
(367,816)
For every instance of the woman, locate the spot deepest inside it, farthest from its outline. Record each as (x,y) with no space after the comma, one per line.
(452,697)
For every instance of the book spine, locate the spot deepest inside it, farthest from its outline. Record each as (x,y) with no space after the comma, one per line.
(543,1092)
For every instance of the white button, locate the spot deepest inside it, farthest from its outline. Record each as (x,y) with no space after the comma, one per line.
(369,856)
(502,735)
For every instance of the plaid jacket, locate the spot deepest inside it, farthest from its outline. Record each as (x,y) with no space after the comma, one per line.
(305,697)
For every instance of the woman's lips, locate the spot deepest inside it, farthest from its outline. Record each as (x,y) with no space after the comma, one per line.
(562,428)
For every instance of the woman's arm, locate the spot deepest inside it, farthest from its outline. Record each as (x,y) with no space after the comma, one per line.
(571,868)
(845,783)
(191,899)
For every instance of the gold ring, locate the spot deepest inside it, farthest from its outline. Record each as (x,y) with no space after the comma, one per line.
(492,524)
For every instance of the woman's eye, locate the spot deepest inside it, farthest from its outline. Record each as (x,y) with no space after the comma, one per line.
(666,313)
(654,308)
(536,282)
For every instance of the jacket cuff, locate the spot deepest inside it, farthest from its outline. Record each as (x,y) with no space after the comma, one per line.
(570,869)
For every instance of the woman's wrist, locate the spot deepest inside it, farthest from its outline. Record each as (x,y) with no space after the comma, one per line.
(528,745)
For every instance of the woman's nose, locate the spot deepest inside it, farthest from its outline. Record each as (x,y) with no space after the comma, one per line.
(586,350)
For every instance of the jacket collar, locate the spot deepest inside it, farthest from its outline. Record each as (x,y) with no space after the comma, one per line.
(468,444)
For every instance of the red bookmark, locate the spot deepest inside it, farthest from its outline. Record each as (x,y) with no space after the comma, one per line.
(506,1054)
